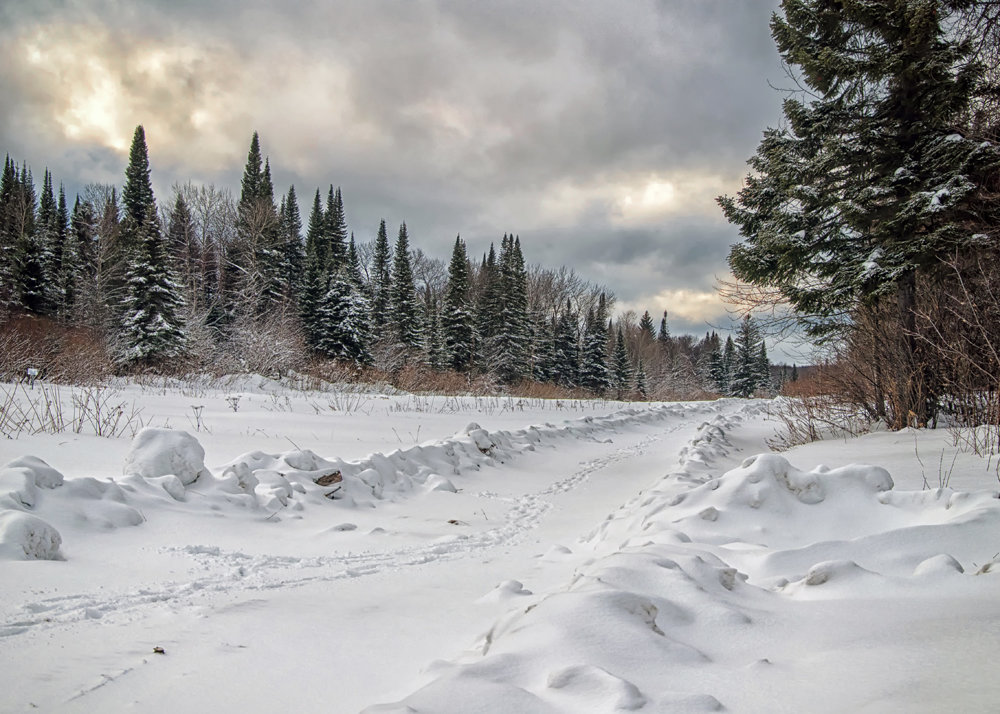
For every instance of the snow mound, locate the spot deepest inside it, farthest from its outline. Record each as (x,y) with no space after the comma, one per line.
(27,537)
(44,475)
(20,480)
(157,452)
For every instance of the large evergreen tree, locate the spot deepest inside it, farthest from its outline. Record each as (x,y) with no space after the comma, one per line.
(456,318)
(381,280)
(151,329)
(747,374)
(404,309)
(871,185)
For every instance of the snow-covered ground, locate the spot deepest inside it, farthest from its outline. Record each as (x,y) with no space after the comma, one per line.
(339,551)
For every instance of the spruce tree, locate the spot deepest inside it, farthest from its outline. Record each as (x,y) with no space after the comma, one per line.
(488,310)
(151,329)
(647,333)
(381,280)
(746,375)
(456,318)
(566,349)
(621,368)
(336,229)
(594,373)
(315,282)
(728,366)
(29,251)
(870,186)
(508,345)
(641,381)
(293,257)
(404,310)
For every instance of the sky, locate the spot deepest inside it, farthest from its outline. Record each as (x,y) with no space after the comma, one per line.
(598,132)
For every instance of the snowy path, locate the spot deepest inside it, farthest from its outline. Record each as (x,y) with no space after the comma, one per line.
(645,559)
(374,599)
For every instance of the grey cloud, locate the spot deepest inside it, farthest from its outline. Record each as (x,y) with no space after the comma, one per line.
(454,116)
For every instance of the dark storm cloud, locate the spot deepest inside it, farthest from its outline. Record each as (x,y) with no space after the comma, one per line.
(560,121)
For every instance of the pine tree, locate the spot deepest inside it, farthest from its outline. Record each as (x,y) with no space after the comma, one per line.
(257,258)
(641,381)
(352,267)
(565,349)
(763,368)
(508,346)
(293,257)
(336,230)
(457,319)
(29,251)
(647,334)
(381,280)
(746,375)
(342,329)
(404,310)
(184,251)
(316,281)
(871,185)
(488,309)
(151,329)
(594,373)
(728,366)
(436,355)
(621,368)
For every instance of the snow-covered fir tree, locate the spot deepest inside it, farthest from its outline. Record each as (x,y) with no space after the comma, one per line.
(151,329)
(457,321)
(404,308)
(746,376)
(381,280)
(621,368)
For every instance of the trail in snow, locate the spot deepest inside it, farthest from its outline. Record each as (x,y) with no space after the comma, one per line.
(234,570)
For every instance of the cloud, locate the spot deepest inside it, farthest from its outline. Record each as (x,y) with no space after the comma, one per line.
(599,132)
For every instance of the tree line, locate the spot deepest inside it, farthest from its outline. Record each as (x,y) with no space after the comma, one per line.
(246,283)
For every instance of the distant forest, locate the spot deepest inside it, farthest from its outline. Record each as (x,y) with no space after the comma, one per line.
(215,282)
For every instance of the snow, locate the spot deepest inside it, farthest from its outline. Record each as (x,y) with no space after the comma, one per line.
(341,551)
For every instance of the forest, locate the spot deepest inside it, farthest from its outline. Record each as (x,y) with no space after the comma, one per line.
(212,282)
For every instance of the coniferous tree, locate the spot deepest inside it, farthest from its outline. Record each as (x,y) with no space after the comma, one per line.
(151,329)
(488,309)
(647,334)
(79,272)
(871,186)
(8,236)
(641,381)
(718,380)
(336,230)
(436,354)
(293,256)
(381,280)
(352,267)
(594,372)
(728,366)
(457,319)
(621,368)
(565,349)
(509,343)
(763,368)
(315,283)
(746,369)
(185,251)
(404,310)
(29,251)
(257,257)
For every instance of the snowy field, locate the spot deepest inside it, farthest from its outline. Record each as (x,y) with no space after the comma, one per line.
(342,552)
